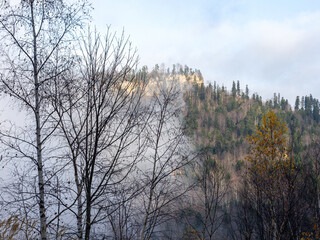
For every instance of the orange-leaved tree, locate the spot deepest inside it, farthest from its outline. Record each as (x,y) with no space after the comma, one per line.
(269,157)
(270,178)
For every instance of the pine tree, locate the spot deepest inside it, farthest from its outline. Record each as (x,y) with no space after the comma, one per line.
(283,104)
(202,94)
(234,90)
(238,88)
(315,112)
(247,92)
(297,104)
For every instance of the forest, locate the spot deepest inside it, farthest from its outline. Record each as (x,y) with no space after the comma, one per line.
(98,147)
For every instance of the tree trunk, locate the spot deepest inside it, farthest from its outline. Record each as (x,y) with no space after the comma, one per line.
(79,207)
(42,210)
(88,218)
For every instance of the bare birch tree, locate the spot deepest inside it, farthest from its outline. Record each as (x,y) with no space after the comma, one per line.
(35,39)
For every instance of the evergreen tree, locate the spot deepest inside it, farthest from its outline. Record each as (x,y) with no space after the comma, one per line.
(315,112)
(297,104)
(202,95)
(214,91)
(186,70)
(283,104)
(219,96)
(181,70)
(308,105)
(238,88)
(173,69)
(247,92)
(275,101)
(156,68)
(234,90)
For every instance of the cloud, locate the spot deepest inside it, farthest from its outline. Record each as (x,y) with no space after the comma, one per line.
(270,56)
(279,54)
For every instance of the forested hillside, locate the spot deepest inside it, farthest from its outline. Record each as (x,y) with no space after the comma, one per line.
(219,122)
(94,147)
(256,174)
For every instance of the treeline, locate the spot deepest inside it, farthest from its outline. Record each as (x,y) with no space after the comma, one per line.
(176,69)
(308,106)
(215,115)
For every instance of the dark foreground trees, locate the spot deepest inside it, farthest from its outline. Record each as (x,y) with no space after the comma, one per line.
(98,141)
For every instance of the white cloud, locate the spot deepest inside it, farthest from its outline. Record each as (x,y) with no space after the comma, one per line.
(270,56)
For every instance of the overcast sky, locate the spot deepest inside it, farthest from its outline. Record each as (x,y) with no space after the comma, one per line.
(271,45)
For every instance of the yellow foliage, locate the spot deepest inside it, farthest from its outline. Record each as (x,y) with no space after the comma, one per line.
(10,228)
(191,234)
(268,156)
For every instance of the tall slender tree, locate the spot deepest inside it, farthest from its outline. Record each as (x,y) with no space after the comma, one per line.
(238,88)
(234,89)
(35,44)
(297,104)
(270,178)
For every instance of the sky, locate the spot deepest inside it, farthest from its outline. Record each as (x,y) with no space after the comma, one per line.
(271,45)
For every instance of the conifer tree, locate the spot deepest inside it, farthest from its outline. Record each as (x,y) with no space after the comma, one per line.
(238,88)
(297,104)
(234,90)
(247,92)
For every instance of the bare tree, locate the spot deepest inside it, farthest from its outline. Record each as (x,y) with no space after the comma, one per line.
(102,117)
(167,155)
(122,215)
(209,196)
(35,38)
(314,155)
(214,186)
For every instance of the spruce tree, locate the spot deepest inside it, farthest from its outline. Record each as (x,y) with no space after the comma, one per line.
(297,103)
(234,90)
(238,88)
(247,92)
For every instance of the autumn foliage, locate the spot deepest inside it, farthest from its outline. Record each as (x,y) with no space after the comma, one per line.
(270,177)
(269,158)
